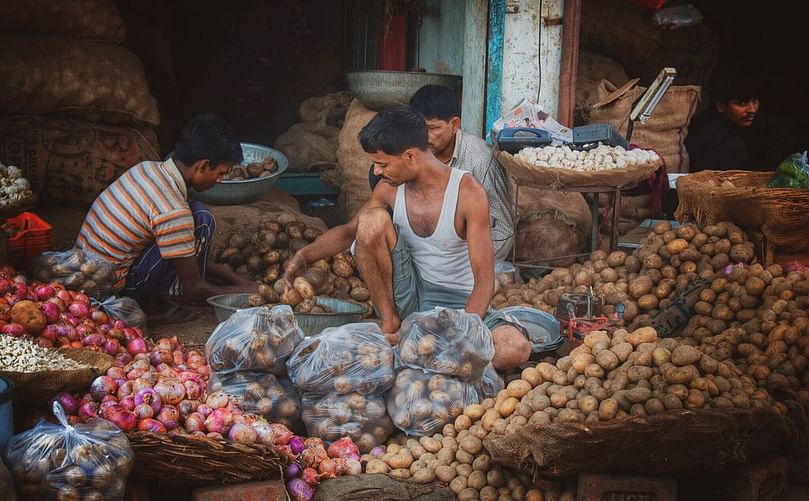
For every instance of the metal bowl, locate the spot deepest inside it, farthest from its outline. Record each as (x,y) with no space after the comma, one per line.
(377,89)
(543,328)
(341,312)
(246,190)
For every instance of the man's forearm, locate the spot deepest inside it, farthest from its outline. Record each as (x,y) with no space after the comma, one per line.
(479,300)
(328,244)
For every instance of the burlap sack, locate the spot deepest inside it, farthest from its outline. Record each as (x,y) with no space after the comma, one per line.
(742,197)
(97,20)
(664,132)
(549,238)
(716,440)
(94,81)
(618,30)
(308,144)
(591,70)
(354,162)
(72,161)
(329,109)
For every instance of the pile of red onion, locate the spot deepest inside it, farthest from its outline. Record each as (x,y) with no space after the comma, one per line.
(310,461)
(70,321)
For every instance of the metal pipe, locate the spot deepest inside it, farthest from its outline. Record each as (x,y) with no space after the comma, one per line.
(571,27)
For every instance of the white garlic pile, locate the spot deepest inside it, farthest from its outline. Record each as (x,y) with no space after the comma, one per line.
(15,190)
(599,158)
(21,355)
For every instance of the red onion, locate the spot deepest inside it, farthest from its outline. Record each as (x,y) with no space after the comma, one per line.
(217,400)
(141,363)
(128,402)
(309,475)
(178,357)
(88,410)
(204,371)
(219,421)
(193,390)
(344,448)
(200,434)
(116,372)
(99,316)
(170,391)
(282,434)
(92,340)
(296,445)
(144,411)
(214,435)
(186,407)
(13,329)
(130,333)
(125,419)
(195,422)
(79,310)
(84,330)
(378,451)
(292,470)
(68,403)
(169,416)
(125,389)
(116,333)
(71,319)
(111,346)
(137,345)
(328,468)
(158,357)
(204,409)
(51,331)
(44,342)
(242,433)
(149,397)
(44,292)
(64,295)
(264,433)
(122,358)
(135,374)
(299,490)
(51,312)
(152,425)
(102,386)
(119,324)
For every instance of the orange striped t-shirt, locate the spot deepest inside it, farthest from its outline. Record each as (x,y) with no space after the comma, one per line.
(148,203)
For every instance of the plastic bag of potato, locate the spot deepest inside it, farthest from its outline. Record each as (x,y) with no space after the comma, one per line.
(446,341)
(258,339)
(6,484)
(346,359)
(60,462)
(77,270)
(261,393)
(421,403)
(361,417)
(490,383)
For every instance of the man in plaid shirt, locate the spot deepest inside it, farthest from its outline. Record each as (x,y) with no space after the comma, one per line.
(461,150)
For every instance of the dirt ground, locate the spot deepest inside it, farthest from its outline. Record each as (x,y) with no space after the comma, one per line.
(66,223)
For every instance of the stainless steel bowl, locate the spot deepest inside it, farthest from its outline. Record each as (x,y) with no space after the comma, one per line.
(377,89)
(247,190)
(341,312)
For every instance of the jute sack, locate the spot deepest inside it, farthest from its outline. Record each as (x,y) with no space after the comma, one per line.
(329,109)
(308,144)
(97,20)
(592,69)
(354,162)
(664,132)
(69,160)
(88,80)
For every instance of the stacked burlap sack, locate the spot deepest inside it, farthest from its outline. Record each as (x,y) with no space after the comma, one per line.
(344,373)
(248,353)
(75,108)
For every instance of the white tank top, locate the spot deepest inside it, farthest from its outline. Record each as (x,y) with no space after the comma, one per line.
(443,257)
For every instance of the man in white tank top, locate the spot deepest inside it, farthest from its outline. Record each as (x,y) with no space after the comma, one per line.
(436,247)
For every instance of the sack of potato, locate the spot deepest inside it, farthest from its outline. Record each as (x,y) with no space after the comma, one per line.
(58,461)
(262,393)
(257,339)
(346,359)
(77,270)
(446,341)
(361,417)
(421,403)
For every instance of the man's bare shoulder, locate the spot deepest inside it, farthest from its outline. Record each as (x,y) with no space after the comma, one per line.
(472,192)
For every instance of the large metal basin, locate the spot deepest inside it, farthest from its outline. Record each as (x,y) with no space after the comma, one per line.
(377,89)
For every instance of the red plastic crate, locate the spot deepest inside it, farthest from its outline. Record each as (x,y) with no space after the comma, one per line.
(33,238)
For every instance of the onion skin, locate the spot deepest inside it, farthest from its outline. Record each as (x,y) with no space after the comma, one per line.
(299,490)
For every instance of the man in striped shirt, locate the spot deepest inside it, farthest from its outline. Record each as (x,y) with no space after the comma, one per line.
(144,223)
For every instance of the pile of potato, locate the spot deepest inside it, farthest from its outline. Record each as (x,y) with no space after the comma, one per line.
(645,280)
(757,318)
(259,253)
(275,399)
(251,170)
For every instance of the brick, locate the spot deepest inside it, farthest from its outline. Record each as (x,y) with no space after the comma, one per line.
(763,480)
(271,490)
(600,487)
(799,469)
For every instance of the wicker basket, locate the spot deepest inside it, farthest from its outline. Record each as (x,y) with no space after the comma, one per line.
(180,460)
(38,387)
(556,178)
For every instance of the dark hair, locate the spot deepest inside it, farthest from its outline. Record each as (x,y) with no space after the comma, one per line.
(208,137)
(393,130)
(735,80)
(436,101)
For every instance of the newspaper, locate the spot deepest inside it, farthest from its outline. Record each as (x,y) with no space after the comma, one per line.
(528,114)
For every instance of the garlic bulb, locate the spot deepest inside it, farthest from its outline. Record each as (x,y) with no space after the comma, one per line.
(600,158)
(15,190)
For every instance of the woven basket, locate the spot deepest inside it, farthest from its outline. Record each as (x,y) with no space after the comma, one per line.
(743,198)
(180,460)
(38,387)
(525,174)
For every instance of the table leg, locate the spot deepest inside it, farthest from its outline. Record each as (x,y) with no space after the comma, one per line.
(594,217)
(616,216)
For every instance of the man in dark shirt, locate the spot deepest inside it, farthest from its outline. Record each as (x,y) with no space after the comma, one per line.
(734,132)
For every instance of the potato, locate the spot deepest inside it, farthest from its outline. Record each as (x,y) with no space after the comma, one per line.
(377,466)
(607,409)
(531,375)
(640,286)
(517,388)
(471,444)
(642,335)
(482,463)
(677,246)
(458,485)
(28,314)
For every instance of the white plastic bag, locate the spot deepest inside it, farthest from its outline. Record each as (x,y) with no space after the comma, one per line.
(254,339)
(63,462)
(361,417)
(490,383)
(76,270)
(261,393)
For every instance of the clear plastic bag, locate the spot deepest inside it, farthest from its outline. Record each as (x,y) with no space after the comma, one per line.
(677,16)
(421,403)
(63,462)
(346,359)
(490,383)
(261,393)
(6,484)
(254,339)
(126,309)
(77,270)
(361,417)
(446,341)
